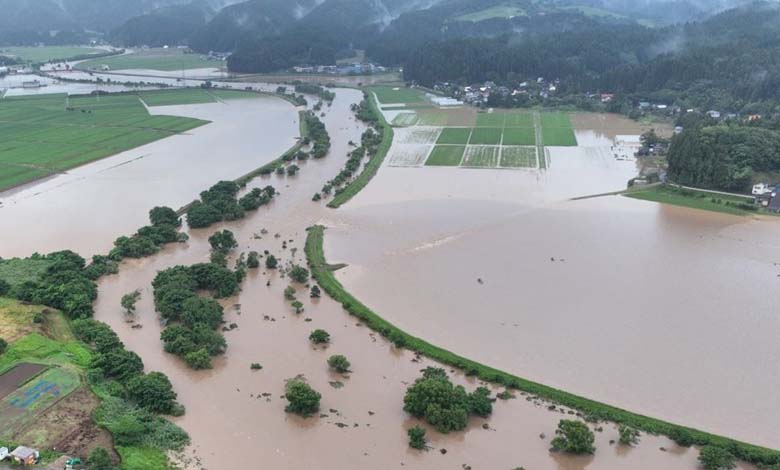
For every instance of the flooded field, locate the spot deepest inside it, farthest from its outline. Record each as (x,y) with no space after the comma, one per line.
(87,207)
(416,241)
(599,297)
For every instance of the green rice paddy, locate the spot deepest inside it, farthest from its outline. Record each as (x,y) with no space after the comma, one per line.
(387,94)
(446,155)
(153,59)
(519,136)
(486,136)
(46,134)
(454,135)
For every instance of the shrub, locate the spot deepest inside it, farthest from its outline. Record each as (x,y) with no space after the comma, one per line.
(164,216)
(315,292)
(302,399)
(716,458)
(289,293)
(681,437)
(628,436)
(339,363)
(153,392)
(417,437)
(252,260)
(297,305)
(199,359)
(100,460)
(319,337)
(223,241)
(299,274)
(255,366)
(271,262)
(574,437)
(480,402)
(128,301)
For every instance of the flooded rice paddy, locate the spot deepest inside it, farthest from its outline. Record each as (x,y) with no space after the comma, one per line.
(609,318)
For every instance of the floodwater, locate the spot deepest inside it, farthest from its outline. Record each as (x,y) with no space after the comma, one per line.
(661,310)
(236,416)
(86,208)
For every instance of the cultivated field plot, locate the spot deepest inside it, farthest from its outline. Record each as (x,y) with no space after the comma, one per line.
(518,157)
(419,135)
(454,135)
(46,134)
(519,136)
(446,155)
(153,59)
(405,119)
(408,155)
(21,407)
(18,375)
(557,130)
(480,156)
(397,95)
(485,136)
(494,119)
(513,118)
(47,53)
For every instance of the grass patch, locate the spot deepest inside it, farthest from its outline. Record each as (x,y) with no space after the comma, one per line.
(16,271)
(559,137)
(454,135)
(386,94)
(666,194)
(446,155)
(555,119)
(153,59)
(374,163)
(519,136)
(519,119)
(177,96)
(39,55)
(590,408)
(142,458)
(518,157)
(485,136)
(45,134)
(405,119)
(481,157)
(494,119)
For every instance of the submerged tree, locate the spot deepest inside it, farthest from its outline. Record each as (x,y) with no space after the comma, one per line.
(574,437)
(417,438)
(128,301)
(302,399)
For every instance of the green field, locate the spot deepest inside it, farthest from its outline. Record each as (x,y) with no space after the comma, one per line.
(46,134)
(405,119)
(153,59)
(44,54)
(519,136)
(519,119)
(17,271)
(499,11)
(518,157)
(557,130)
(397,94)
(481,156)
(702,200)
(494,119)
(454,135)
(446,155)
(485,136)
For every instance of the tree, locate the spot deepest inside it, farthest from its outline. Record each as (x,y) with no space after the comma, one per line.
(162,215)
(223,242)
(716,458)
(199,359)
(271,262)
(3,346)
(152,391)
(299,274)
(297,305)
(100,460)
(319,337)
(417,438)
(252,261)
(289,293)
(628,436)
(128,301)
(480,402)
(315,292)
(5,287)
(302,399)
(434,398)
(339,363)
(574,437)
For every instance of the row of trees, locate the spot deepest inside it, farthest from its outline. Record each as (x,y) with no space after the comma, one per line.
(220,202)
(164,228)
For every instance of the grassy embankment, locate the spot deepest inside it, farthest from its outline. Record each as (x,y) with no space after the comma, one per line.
(668,194)
(39,55)
(372,166)
(323,273)
(165,60)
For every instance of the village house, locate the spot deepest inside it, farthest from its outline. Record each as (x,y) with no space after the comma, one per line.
(25,455)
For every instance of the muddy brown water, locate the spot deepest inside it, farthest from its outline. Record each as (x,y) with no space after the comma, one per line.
(235,415)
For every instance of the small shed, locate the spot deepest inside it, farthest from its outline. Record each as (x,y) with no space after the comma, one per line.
(25,455)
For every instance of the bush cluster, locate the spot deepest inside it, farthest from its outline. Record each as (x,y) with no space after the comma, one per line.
(220,203)
(147,240)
